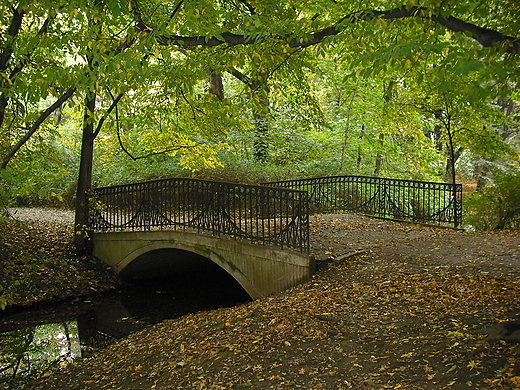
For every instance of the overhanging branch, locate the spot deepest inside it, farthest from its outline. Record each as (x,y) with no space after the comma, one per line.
(486,37)
(44,115)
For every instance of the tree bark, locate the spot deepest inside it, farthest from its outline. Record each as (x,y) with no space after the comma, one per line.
(387,96)
(481,172)
(261,119)
(6,55)
(484,36)
(260,92)
(379,155)
(216,87)
(81,222)
(452,157)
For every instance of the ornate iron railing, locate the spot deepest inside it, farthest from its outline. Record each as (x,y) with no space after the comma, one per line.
(426,202)
(273,216)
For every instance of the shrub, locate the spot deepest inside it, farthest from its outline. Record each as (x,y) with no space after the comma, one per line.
(497,207)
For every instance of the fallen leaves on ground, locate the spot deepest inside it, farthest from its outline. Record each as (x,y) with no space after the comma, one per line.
(38,264)
(413,308)
(373,321)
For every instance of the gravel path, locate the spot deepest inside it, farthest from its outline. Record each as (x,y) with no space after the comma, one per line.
(43,214)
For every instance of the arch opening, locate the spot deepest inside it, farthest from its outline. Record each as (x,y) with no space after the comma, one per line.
(166,262)
(186,276)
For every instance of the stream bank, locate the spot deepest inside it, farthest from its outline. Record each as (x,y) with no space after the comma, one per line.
(38,266)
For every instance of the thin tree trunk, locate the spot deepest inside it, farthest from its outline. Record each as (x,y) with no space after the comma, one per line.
(359,161)
(261,118)
(260,93)
(379,155)
(347,130)
(387,96)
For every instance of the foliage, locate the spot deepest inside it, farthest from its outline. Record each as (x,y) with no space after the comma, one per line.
(498,206)
(311,77)
(43,176)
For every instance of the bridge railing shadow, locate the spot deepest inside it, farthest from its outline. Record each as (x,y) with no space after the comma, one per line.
(262,214)
(409,200)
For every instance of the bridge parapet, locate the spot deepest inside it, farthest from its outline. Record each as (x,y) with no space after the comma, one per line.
(261,214)
(409,200)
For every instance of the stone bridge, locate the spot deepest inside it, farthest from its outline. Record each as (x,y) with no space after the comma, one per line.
(259,234)
(260,269)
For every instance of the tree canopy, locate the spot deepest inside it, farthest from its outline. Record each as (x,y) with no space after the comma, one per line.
(197,80)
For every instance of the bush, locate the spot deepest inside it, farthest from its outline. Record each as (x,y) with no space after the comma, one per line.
(497,207)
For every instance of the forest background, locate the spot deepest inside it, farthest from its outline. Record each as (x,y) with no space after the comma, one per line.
(103,92)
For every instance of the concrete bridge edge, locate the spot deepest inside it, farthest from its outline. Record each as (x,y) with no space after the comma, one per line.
(261,270)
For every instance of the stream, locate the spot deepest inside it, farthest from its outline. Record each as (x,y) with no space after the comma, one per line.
(35,342)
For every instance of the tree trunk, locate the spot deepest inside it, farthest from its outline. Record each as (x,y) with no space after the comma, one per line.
(260,94)
(481,172)
(451,159)
(81,223)
(359,161)
(379,155)
(216,87)
(261,119)
(387,96)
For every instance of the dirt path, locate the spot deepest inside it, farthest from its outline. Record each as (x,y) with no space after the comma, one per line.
(497,253)
(43,214)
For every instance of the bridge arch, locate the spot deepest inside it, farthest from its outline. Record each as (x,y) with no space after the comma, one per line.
(261,270)
(186,263)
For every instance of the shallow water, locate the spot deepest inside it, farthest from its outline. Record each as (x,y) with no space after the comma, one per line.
(35,342)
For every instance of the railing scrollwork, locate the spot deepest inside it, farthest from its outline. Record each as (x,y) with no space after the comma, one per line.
(275,213)
(274,216)
(418,201)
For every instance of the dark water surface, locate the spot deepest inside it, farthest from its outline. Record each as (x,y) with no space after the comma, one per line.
(37,341)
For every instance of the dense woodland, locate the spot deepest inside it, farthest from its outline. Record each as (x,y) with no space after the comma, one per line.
(102,92)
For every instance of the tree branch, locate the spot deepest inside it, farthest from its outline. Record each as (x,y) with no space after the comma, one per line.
(249,7)
(110,109)
(44,115)
(7,54)
(486,37)
(240,76)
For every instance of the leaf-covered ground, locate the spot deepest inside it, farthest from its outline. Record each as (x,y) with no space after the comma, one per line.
(399,307)
(38,264)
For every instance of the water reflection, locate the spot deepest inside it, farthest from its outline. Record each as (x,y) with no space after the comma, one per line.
(32,344)
(30,352)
